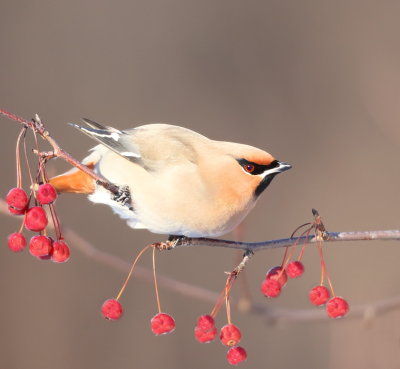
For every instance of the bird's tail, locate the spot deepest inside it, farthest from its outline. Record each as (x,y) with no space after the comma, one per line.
(74,181)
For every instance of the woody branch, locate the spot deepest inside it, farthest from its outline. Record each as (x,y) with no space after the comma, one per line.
(38,127)
(287,242)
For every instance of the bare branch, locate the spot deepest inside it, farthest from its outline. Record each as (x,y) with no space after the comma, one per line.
(37,126)
(287,242)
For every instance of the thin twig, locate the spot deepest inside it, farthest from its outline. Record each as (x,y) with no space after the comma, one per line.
(37,126)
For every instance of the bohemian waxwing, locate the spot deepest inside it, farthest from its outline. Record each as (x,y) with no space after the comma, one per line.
(180,182)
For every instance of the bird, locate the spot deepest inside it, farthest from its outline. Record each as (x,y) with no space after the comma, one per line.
(173,180)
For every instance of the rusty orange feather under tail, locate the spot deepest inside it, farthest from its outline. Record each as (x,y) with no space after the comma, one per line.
(74,181)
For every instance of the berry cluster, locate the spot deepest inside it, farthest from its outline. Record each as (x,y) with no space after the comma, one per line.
(160,324)
(277,277)
(229,335)
(205,330)
(35,218)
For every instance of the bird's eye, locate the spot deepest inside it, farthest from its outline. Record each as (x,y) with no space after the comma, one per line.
(249,168)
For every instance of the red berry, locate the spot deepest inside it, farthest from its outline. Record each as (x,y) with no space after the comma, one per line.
(17,198)
(205,330)
(295,269)
(236,355)
(36,219)
(16,242)
(319,295)
(60,252)
(337,307)
(112,309)
(230,335)
(271,288)
(278,274)
(206,322)
(48,256)
(205,336)
(46,194)
(40,246)
(162,323)
(15,211)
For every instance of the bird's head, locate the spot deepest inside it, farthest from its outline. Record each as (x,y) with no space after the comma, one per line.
(249,169)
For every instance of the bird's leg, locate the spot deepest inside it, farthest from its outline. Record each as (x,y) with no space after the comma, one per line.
(123,196)
(170,243)
(176,238)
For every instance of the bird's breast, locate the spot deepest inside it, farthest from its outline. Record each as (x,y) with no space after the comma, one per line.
(178,200)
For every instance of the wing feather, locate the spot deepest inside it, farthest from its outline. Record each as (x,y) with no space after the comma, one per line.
(118,141)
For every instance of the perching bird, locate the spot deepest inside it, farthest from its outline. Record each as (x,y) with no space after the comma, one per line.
(180,182)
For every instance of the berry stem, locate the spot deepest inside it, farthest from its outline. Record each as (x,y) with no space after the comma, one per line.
(22,224)
(130,272)
(225,292)
(228,307)
(28,165)
(56,221)
(322,262)
(217,305)
(324,270)
(303,248)
(40,160)
(289,255)
(18,158)
(284,257)
(330,283)
(155,280)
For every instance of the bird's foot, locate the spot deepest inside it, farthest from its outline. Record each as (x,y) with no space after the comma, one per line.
(171,243)
(123,196)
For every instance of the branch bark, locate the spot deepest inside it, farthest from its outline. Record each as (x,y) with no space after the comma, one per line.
(287,242)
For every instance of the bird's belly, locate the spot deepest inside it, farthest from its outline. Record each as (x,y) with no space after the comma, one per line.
(173,202)
(202,216)
(197,225)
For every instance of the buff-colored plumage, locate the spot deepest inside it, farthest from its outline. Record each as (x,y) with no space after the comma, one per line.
(181,183)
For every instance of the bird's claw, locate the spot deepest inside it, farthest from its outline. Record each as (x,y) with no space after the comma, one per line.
(123,196)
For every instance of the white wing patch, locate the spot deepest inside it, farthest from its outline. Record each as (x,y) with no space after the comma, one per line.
(114,135)
(130,154)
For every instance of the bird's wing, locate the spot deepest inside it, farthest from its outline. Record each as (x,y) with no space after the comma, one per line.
(153,146)
(118,141)
(163,146)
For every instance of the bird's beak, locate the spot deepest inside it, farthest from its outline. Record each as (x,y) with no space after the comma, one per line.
(283,167)
(270,174)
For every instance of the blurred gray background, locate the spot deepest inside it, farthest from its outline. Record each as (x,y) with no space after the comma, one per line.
(315,83)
